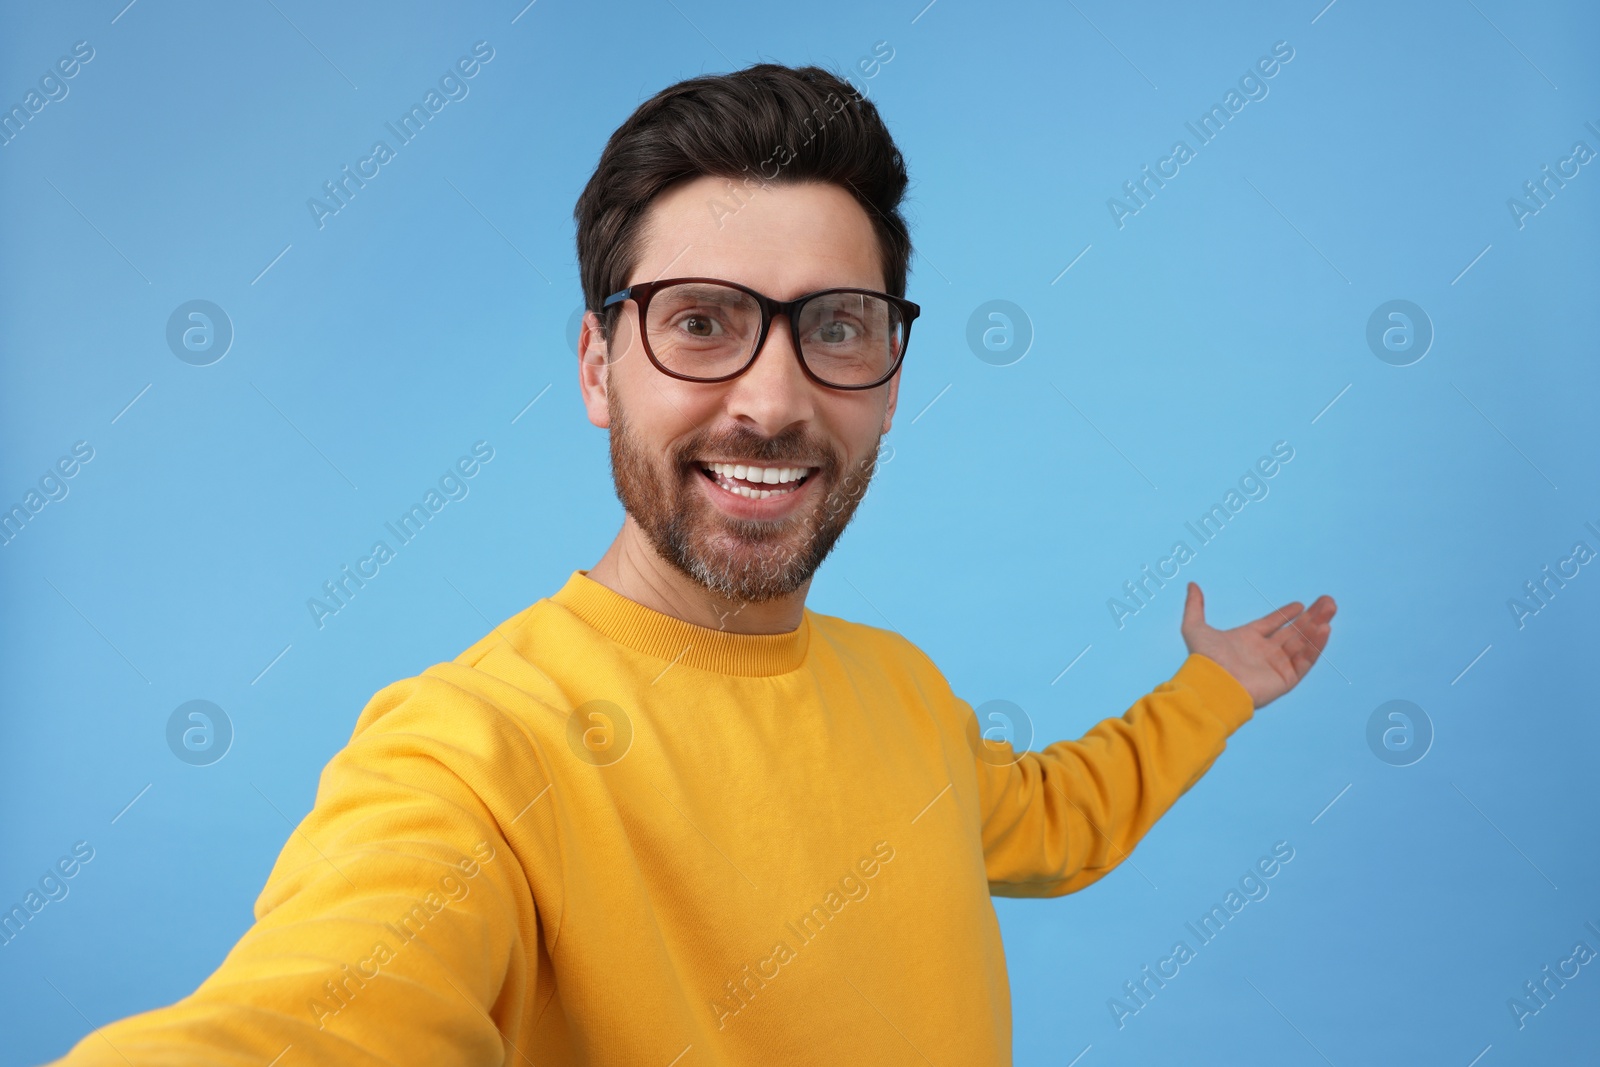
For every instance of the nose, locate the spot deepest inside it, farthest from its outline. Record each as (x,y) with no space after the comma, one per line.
(774,393)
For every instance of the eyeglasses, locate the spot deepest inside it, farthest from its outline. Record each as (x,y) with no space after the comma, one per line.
(709,330)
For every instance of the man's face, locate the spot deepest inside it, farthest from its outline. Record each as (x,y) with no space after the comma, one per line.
(665,433)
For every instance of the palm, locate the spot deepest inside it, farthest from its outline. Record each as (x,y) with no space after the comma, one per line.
(1268,656)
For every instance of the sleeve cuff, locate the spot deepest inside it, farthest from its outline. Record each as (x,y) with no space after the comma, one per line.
(1224,695)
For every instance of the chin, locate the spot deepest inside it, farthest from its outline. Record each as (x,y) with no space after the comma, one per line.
(749,570)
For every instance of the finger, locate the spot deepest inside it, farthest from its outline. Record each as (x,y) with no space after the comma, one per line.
(1315,618)
(1267,625)
(1308,623)
(1194,609)
(1302,643)
(1307,655)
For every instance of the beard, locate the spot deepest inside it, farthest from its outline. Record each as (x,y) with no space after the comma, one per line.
(746,560)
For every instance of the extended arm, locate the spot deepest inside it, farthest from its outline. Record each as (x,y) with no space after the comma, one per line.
(1054,821)
(1058,819)
(386,931)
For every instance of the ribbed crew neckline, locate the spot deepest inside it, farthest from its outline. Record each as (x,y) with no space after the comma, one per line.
(668,638)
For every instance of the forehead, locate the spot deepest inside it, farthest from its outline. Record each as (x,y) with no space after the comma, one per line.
(783,240)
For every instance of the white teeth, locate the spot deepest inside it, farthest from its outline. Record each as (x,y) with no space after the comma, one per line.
(725,471)
(757,494)
(764,475)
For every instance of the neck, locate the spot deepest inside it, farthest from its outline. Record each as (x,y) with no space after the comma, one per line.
(632,567)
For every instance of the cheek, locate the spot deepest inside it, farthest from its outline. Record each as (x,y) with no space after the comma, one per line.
(658,417)
(672,411)
(855,427)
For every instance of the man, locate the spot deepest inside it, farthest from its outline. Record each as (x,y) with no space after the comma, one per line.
(668,815)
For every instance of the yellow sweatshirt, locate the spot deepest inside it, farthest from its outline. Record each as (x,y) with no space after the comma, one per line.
(603,835)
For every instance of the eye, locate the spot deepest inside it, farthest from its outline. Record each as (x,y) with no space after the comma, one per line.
(699,325)
(835,332)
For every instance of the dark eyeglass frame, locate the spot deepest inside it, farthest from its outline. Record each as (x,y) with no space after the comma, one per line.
(770,308)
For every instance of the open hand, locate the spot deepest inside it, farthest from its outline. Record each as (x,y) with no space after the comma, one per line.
(1268,656)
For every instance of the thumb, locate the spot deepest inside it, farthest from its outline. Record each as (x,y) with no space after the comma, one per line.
(1194,609)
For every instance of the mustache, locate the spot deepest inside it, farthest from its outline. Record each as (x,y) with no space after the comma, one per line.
(794,449)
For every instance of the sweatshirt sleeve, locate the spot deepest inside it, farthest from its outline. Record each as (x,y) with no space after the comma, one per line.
(388,929)
(1060,819)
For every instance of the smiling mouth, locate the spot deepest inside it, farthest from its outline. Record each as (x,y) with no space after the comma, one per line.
(754,482)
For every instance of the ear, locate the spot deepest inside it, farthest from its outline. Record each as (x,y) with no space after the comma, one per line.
(594,371)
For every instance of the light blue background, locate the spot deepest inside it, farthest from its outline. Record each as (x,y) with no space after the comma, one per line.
(1223,317)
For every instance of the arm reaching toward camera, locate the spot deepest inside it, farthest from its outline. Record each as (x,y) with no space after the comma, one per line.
(388,930)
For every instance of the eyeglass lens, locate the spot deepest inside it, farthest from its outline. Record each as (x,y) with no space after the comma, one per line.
(704,330)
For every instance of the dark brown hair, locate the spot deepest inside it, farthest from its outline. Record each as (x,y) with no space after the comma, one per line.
(766,124)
